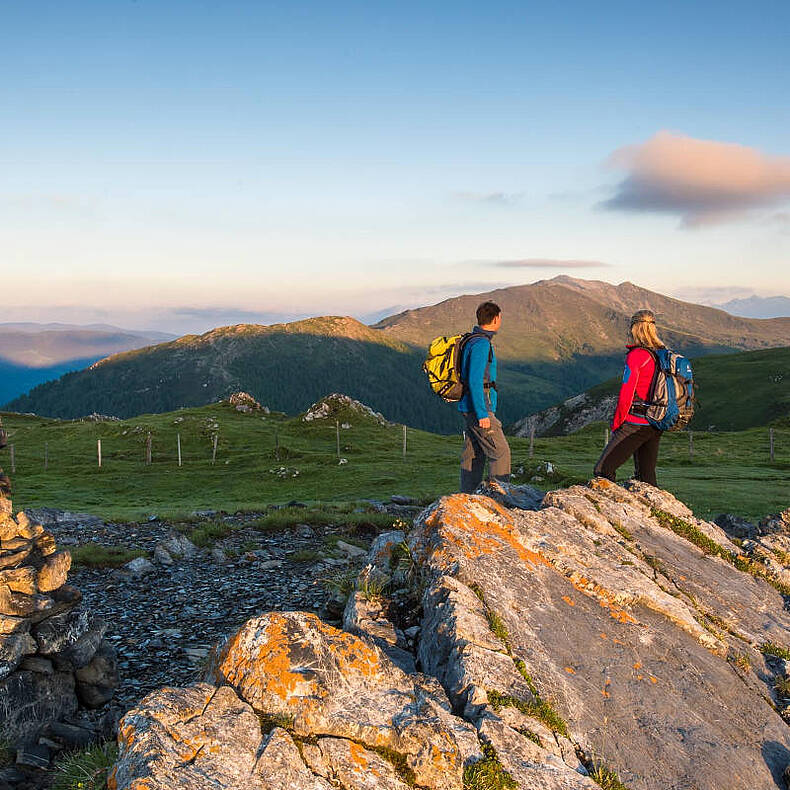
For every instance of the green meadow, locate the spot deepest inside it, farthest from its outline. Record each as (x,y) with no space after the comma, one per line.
(273,459)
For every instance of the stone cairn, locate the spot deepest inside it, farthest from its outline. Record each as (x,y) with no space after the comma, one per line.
(54,659)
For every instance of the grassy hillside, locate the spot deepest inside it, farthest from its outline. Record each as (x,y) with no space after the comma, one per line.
(735,391)
(559,337)
(730,471)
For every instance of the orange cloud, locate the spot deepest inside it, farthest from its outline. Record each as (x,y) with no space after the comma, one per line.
(702,181)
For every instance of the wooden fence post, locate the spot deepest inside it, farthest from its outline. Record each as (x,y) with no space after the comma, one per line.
(179,448)
(98,450)
(337,429)
(13,458)
(605,436)
(214,451)
(532,440)
(148,449)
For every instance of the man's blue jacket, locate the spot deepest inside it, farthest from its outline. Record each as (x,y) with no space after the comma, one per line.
(474,366)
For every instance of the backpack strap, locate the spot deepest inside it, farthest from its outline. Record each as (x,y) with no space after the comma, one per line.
(487,385)
(639,407)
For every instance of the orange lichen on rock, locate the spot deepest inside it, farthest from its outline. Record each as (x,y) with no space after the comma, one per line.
(568,600)
(358,756)
(570,670)
(604,597)
(267,666)
(274,657)
(476,526)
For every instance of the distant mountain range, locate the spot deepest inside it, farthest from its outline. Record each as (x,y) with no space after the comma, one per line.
(735,392)
(34,353)
(759,306)
(559,337)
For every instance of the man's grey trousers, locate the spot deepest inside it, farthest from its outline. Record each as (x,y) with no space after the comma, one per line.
(482,443)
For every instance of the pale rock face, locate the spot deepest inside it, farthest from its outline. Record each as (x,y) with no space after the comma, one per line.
(194,738)
(354,766)
(614,643)
(590,632)
(334,683)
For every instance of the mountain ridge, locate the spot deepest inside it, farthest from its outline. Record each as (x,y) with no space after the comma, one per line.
(559,337)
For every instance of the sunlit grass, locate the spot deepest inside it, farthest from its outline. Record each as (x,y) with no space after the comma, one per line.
(730,472)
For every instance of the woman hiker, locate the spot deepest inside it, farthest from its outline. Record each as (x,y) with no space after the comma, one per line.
(632,434)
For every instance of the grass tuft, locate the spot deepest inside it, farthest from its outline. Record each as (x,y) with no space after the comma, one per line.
(532,736)
(270,721)
(398,762)
(654,563)
(85,770)
(537,709)
(521,667)
(209,534)
(622,530)
(95,556)
(305,555)
(495,622)
(782,686)
(770,649)
(691,533)
(742,661)
(607,778)
(372,588)
(488,773)
(709,546)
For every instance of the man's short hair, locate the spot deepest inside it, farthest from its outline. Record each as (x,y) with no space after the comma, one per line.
(487,312)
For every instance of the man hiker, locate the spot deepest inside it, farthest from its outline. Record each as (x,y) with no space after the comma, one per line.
(5,483)
(484,435)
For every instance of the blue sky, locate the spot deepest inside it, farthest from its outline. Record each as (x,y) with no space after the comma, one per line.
(176,164)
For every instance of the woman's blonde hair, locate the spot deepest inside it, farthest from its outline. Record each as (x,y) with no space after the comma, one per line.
(643,330)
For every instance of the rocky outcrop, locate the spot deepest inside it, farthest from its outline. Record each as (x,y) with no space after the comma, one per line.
(567,417)
(53,656)
(246,403)
(341,407)
(609,633)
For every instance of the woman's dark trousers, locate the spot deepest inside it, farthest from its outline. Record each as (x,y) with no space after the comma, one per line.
(639,441)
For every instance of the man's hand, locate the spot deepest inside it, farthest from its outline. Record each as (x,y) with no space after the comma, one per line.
(485,423)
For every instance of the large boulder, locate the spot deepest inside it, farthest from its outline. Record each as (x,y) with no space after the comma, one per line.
(607,635)
(595,615)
